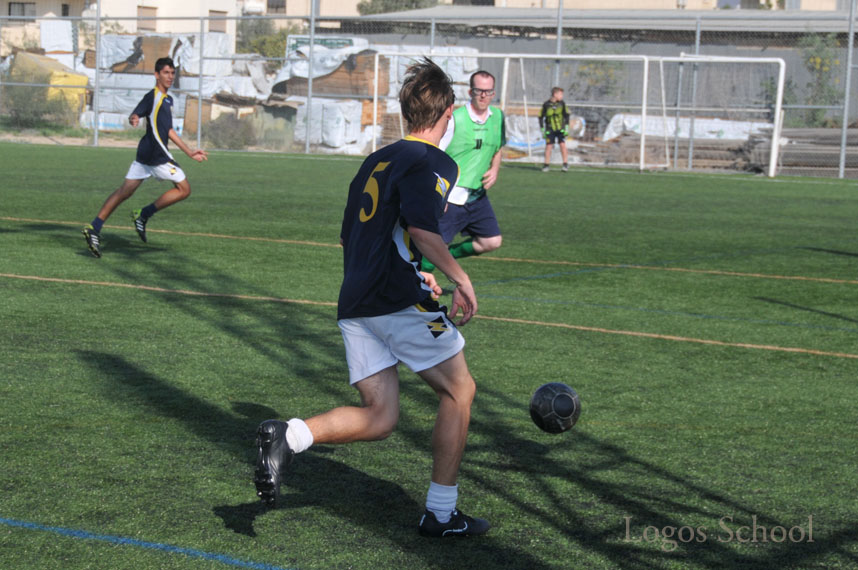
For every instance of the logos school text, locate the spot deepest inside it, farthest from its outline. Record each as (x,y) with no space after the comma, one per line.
(671,536)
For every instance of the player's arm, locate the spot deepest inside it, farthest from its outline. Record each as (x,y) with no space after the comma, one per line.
(435,250)
(447,137)
(142,109)
(491,175)
(566,118)
(199,155)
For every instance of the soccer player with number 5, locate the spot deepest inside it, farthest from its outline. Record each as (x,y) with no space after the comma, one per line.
(387,310)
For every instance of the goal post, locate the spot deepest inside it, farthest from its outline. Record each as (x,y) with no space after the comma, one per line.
(639,111)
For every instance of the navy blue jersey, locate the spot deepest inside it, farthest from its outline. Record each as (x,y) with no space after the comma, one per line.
(404,184)
(157,108)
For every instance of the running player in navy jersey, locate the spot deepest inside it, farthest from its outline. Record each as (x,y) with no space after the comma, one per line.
(387,310)
(153,159)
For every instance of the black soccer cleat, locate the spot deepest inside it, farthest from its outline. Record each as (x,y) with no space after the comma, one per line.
(93,242)
(139,224)
(459,524)
(273,456)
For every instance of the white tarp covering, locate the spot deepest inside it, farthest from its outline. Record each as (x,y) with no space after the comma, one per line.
(525,135)
(184,49)
(216,45)
(333,124)
(457,61)
(325,60)
(56,35)
(703,128)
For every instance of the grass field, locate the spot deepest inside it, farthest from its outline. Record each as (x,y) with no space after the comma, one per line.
(709,324)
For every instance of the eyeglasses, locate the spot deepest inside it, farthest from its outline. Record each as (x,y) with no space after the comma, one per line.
(482,92)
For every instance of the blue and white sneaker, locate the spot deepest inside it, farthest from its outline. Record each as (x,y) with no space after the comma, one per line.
(459,524)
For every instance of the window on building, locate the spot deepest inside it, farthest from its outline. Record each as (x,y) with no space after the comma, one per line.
(66,10)
(277,6)
(144,12)
(26,9)
(217,25)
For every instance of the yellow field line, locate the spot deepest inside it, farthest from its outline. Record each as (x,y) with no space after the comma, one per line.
(165,290)
(672,337)
(482,317)
(484,258)
(677,269)
(177,233)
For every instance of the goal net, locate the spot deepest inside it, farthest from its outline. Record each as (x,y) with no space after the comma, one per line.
(683,112)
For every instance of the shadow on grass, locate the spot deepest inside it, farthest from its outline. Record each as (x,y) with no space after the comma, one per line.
(376,505)
(530,471)
(832,251)
(806,309)
(618,480)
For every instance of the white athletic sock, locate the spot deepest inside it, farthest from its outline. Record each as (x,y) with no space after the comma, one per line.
(441,500)
(298,436)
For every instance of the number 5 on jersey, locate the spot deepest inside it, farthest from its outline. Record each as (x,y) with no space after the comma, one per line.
(371,188)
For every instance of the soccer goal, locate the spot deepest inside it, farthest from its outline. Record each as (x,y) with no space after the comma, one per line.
(682,112)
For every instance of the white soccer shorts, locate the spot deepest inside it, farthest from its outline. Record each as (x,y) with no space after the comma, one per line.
(166,171)
(418,338)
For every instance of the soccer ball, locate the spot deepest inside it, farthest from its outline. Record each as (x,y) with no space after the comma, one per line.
(555,407)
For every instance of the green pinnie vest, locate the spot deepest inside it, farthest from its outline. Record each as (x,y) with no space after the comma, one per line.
(474,145)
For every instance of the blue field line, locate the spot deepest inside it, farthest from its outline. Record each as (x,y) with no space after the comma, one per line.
(140,544)
(670,313)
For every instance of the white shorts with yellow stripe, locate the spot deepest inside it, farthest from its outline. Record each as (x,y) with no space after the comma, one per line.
(167,171)
(419,338)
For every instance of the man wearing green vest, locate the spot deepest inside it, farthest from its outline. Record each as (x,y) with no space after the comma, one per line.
(473,139)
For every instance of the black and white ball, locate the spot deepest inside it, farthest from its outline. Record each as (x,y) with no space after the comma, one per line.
(555,407)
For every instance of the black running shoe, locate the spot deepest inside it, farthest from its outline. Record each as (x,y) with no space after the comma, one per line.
(92,240)
(273,456)
(459,524)
(139,224)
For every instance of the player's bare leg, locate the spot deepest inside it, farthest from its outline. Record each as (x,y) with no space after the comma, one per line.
(548,148)
(125,191)
(175,194)
(455,388)
(484,244)
(373,420)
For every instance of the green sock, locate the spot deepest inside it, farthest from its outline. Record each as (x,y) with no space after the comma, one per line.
(463,249)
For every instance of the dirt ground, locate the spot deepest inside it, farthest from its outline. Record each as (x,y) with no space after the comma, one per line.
(34,137)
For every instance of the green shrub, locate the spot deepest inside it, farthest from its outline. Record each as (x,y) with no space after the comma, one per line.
(229,132)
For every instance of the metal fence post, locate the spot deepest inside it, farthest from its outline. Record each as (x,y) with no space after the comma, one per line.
(678,115)
(846,91)
(693,97)
(559,40)
(200,84)
(313,5)
(95,97)
(1,75)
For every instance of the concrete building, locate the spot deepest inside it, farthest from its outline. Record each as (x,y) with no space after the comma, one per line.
(124,14)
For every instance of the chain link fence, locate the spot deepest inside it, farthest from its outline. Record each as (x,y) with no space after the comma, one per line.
(259,83)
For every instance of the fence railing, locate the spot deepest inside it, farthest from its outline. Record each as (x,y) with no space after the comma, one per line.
(256,87)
